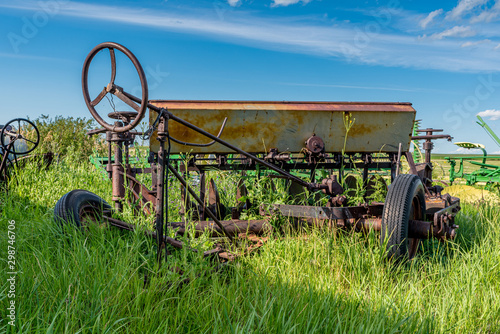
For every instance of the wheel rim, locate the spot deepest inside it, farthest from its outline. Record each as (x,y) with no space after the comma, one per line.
(89,215)
(415,213)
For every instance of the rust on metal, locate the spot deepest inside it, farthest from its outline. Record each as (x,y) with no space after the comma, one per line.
(276,136)
(255,126)
(233,227)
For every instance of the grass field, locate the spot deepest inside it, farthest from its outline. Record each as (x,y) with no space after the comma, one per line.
(94,282)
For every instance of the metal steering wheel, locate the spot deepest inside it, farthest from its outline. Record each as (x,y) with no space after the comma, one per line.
(22,132)
(114,89)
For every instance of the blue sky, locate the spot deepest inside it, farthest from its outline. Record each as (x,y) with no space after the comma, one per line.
(444,57)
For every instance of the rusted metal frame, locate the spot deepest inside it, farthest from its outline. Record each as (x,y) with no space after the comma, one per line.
(436,203)
(411,163)
(141,193)
(203,208)
(418,229)
(117,172)
(197,199)
(135,170)
(220,141)
(327,213)
(430,137)
(109,167)
(5,158)
(233,227)
(171,241)
(443,221)
(288,167)
(353,216)
(296,158)
(160,188)
(299,162)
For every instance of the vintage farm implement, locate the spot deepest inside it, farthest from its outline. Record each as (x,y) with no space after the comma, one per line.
(18,138)
(284,140)
(486,170)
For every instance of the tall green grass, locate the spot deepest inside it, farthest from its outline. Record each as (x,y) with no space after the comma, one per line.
(309,281)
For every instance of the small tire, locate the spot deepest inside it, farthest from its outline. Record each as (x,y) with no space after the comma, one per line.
(405,201)
(78,207)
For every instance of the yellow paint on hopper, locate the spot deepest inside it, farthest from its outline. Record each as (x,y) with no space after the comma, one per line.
(256,127)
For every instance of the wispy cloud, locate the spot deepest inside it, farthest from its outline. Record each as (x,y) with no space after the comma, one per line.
(476,43)
(297,35)
(456,31)
(488,15)
(347,86)
(463,8)
(429,18)
(277,3)
(233,3)
(492,114)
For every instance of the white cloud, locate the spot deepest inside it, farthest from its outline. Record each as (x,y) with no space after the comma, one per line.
(462,150)
(463,8)
(429,18)
(488,15)
(471,44)
(284,3)
(233,3)
(492,114)
(497,47)
(456,31)
(294,35)
(496,152)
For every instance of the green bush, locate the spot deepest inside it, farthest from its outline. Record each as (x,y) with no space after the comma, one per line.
(67,136)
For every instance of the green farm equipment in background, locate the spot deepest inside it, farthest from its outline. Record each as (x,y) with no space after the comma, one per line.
(488,173)
(417,149)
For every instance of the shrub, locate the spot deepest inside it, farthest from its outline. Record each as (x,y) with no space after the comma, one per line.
(67,136)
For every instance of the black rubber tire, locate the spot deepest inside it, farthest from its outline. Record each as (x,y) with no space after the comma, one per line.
(77,206)
(405,201)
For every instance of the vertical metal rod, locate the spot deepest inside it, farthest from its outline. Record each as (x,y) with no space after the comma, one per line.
(202,194)
(398,164)
(3,165)
(195,196)
(127,162)
(108,166)
(160,193)
(118,178)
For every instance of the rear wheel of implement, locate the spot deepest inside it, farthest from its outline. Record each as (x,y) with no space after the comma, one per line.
(80,207)
(405,201)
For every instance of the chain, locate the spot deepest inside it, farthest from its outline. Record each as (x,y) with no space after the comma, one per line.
(111,102)
(154,126)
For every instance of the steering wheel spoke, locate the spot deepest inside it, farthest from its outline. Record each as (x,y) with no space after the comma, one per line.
(99,97)
(118,92)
